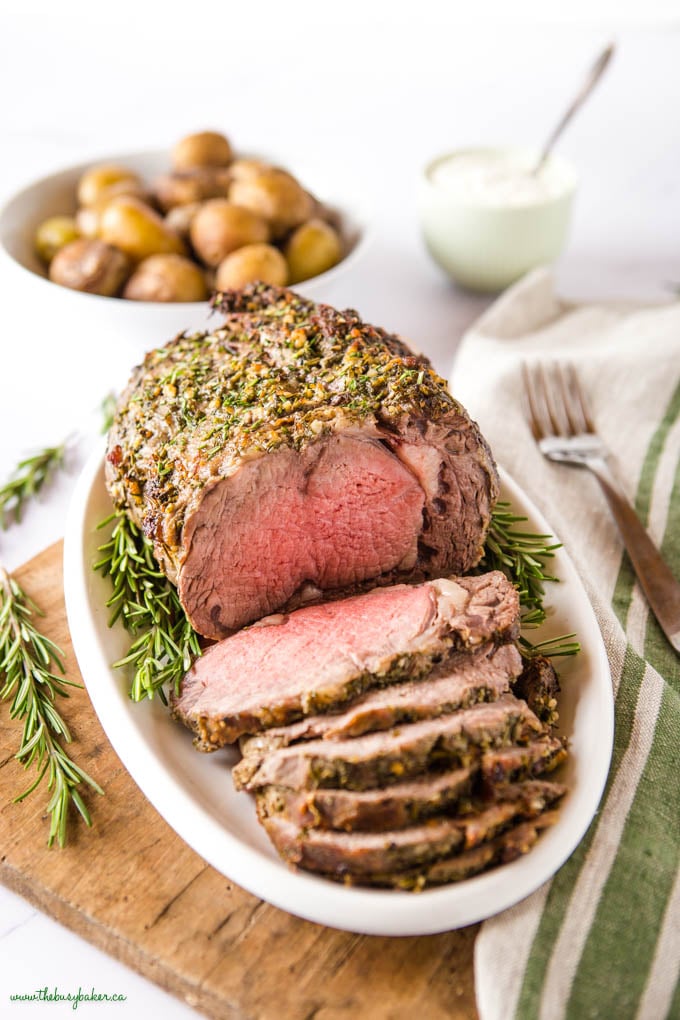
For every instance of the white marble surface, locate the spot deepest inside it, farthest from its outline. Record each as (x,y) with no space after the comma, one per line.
(377,90)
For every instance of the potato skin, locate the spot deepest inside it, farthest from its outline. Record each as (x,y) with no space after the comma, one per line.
(220,227)
(253,262)
(89,217)
(137,230)
(245,169)
(90,266)
(166,278)
(183,187)
(178,219)
(54,234)
(277,197)
(205,148)
(98,179)
(312,249)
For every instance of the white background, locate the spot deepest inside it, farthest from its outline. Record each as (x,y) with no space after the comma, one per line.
(374,90)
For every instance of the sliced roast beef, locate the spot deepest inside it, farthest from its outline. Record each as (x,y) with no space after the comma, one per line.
(517,800)
(510,763)
(538,792)
(370,810)
(343,853)
(460,681)
(296,452)
(360,853)
(505,848)
(403,804)
(322,656)
(379,759)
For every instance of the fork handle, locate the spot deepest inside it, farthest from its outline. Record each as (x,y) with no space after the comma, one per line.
(653,573)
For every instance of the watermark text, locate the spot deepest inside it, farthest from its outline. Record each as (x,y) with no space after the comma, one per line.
(75,998)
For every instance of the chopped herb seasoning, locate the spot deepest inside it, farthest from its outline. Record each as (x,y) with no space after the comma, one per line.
(281,371)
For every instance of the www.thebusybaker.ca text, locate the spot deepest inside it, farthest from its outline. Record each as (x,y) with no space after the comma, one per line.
(45,995)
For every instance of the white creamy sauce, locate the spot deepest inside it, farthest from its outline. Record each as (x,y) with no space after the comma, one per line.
(496,178)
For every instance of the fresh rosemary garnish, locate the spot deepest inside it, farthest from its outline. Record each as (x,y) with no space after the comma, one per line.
(164,643)
(27,479)
(552,648)
(28,664)
(523,557)
(108,409)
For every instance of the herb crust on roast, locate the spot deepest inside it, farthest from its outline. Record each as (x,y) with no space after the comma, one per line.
(293,453)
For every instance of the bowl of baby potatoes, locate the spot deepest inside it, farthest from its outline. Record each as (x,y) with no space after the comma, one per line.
(134,245)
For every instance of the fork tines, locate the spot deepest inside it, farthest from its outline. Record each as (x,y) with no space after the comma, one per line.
(556,404)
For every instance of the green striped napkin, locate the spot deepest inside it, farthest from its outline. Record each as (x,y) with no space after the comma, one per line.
(602,938)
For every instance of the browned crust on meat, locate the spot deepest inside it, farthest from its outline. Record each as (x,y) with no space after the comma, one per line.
(281,372)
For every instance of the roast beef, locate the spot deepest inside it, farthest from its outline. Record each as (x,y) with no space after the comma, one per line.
(295,452)
(460,681)
(371,810)
(378,759)
(360,853)
(532,759)
(507,847)
(288,666)
(401,805)
(539,685)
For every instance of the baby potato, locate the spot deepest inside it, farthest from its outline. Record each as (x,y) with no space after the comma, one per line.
(206,148)
(250,263)
(244,169)
(276,196)
(98,179)
(312,249)
(91,266)
(187,186)
(89,217)
(220,227)
(53,234)
(137,230)
(166,278)
(179,218)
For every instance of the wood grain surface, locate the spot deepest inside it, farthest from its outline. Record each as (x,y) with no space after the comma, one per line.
(133,888)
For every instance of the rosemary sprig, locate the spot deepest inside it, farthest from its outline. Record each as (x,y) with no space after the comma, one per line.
(28,664)
(552,648)
(108,410)
(27,479)
(523,557)
(165,644)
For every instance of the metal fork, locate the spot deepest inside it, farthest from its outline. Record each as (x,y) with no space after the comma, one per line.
(563,428)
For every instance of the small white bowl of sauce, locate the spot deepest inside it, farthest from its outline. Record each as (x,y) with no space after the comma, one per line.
(488,219)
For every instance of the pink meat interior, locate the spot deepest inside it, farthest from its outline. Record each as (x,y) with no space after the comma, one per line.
(291,656)
(338,513)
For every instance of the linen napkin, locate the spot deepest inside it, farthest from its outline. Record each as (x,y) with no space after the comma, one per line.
(602,938)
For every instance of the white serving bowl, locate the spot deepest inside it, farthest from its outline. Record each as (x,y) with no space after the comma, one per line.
(484,243)
(133,327)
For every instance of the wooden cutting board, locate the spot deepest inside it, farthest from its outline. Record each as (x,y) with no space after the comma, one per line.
(159,908)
